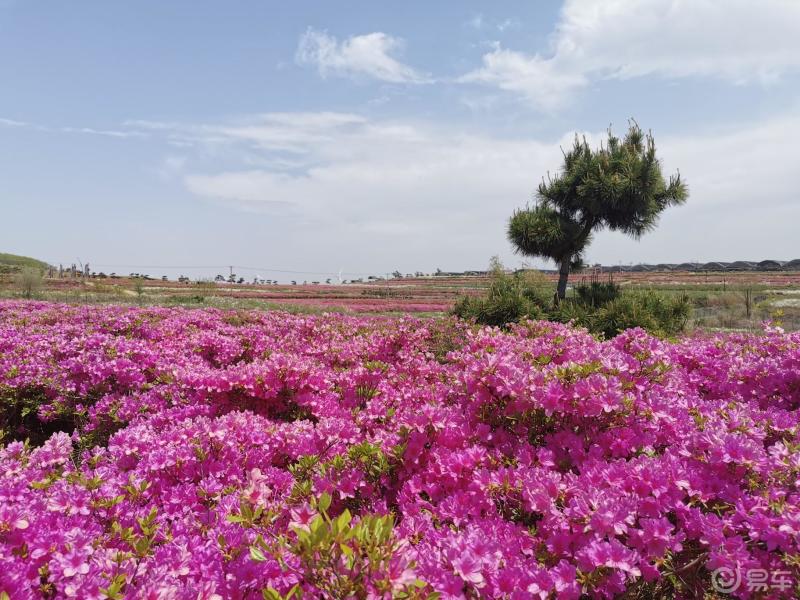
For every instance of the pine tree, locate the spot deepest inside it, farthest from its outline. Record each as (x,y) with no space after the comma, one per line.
(619,186)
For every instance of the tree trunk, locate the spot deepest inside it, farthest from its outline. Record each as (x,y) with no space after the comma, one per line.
(563,275)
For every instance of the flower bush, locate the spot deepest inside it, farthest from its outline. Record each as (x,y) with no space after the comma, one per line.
(172,453)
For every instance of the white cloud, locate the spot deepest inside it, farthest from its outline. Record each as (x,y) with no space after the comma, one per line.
(508,24)
(414,190)
(368,55)
(479,22)
(289,132)
(104,132)
(476,21)
(252,189)
(171,167)
(537,79)
(735,40)
(406,186)
(749,167)
(82,130)
(12,123)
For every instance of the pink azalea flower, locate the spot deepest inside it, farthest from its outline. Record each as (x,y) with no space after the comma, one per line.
(74,562)
(302,517)
(469,568)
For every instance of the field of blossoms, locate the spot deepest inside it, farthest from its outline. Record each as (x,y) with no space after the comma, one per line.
(165,453)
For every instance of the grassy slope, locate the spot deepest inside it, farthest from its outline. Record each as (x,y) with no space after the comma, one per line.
(12,262)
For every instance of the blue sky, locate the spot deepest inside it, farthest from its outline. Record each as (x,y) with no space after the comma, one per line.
(369,137)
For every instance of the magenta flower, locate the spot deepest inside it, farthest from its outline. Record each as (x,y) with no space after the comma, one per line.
(469,568)
(302,517)
(535,462)
(74,562)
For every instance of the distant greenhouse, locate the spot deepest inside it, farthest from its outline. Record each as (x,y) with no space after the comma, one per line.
(687,267)
(742,265)
(770,265)
(642,268)
(792,265)
(711,266)
(714,266)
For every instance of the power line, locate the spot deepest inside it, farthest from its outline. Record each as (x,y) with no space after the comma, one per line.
(223,267)
(162,266)
(301,272)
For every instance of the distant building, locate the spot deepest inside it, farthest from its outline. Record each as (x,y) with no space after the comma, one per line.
(792,265)
(742,265)
(714,266)
(770,265)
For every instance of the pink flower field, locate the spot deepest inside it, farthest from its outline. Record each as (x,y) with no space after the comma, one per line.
(165,453)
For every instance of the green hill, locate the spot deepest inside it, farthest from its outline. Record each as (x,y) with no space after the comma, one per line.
(11,263)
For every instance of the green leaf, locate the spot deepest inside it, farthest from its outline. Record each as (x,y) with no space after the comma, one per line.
(302,534)
(142,546)
(349,555)
(324,502)
(343,520)
(319,530)
(256,554)
(113,591)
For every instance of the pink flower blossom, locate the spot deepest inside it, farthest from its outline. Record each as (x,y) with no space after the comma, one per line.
(190,446)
